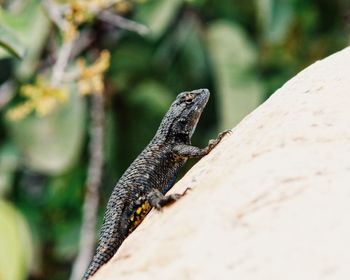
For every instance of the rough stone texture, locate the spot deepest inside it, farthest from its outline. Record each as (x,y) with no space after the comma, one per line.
(272,201)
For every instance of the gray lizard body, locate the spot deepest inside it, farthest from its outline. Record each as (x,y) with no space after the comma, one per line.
(152,174)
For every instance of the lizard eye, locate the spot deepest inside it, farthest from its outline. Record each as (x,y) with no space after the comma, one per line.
(189,98)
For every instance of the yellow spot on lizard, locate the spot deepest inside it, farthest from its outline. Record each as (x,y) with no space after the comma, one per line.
(140,213)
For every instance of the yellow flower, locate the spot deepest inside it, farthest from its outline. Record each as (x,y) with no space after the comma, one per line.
(70,32)
(101,4)
(76,14)
(80,11)
(41,98)
(20,111)
(91,77)
(123,7)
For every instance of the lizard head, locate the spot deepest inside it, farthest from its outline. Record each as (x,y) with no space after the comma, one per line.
(182,117)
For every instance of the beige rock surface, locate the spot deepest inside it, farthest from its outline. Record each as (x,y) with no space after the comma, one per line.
(272,201)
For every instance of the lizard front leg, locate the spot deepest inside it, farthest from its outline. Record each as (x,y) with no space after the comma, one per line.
(159,200)
(189,151)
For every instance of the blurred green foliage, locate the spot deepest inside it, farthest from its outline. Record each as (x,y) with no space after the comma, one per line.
(15,241)
(241,50)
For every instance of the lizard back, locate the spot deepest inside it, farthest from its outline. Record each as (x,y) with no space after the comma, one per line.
(152,173)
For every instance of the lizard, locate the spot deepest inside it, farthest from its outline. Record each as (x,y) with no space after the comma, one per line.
(146,181)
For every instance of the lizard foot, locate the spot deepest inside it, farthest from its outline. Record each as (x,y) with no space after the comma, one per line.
(214,142)
(159,200)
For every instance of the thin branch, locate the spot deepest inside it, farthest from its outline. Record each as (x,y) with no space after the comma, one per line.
(82,42)
(7,92)
(123,23)
(54,12)
(61,62)
(88,228)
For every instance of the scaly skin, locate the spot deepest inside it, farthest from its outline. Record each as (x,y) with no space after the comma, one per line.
(152,174)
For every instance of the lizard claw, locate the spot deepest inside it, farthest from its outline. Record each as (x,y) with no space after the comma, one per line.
(213,142)
(158,207)
(186,190)
(224,133)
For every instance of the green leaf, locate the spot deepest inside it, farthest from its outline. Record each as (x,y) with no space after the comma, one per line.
(63,200)
(148,102)
(192,55)
(151,96)
(53,143)
(111,144)
(157,15)
(197,3)
(129,61)
(233,60)
(10,41)
(31,26)
(66,245)
(9,160)
(16,254)
(275,18)
(183,48)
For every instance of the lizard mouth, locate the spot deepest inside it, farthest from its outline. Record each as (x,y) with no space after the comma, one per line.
(202,95)
(201,99)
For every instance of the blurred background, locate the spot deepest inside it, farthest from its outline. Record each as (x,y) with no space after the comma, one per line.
(84,85)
